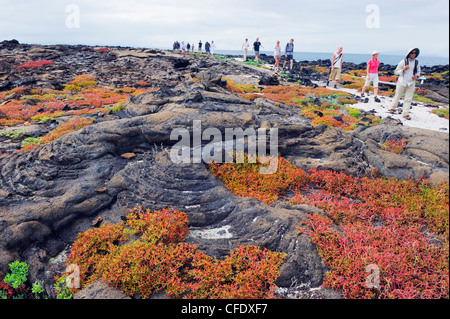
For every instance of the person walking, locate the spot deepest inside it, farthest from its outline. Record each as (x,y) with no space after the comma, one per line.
(408,71)
(336,67)
(277,55)
(289,54)
(207,47)
(200,46)
(256,46)
(244,49)
(372,75)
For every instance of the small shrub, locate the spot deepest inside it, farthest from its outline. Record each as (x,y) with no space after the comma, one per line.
(355,113)
(13,284)
(72,125)
(321,69)
(395,145)
(422,99)
(346,101)
(18,275)
(145,254)
(30,143)
(16,110)
(443,112)
(402,227)
(387,78)
(84,81)
(327,120)
(102,49)
(44,117)
(61,289)
(241,88)
(34,64)
(38,289)
(245,180)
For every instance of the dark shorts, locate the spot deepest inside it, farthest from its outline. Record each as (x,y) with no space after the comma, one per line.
(289,57)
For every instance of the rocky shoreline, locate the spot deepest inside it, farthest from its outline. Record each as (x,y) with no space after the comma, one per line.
(95,175)
(317,71)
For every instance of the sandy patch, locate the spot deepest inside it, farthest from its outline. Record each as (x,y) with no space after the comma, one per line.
(421,116)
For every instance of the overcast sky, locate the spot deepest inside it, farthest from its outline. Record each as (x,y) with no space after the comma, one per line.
(360,26)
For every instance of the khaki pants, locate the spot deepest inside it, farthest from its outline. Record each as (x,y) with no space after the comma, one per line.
(409,93)
(335,74)
(245,54)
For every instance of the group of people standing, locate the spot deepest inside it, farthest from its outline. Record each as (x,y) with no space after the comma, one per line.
(186,48)
(408,71)
(289,50)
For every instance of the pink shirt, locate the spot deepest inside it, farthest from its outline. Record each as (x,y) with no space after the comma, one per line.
(373,65)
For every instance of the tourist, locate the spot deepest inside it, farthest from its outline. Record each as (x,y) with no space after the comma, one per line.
(244,49)
(207,47)
(200,46)
(289,54)
(188,47)
(183,47)
(213,47)
(277,56)
(176,46)
(408,71)
(336,67)
(256,46)
(372,75)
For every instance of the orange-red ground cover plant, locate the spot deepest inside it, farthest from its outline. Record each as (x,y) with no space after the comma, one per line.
(402,227)
(146,254)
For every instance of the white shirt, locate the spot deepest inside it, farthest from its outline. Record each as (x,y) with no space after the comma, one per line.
(405,78)
(246,45)
(277,51)
(337,60)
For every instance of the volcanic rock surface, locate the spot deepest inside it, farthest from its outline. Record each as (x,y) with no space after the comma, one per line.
(50,194)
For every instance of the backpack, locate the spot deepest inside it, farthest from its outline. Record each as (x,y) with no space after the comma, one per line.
(415,65)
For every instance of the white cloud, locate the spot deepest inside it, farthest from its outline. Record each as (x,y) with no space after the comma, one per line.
(318,25)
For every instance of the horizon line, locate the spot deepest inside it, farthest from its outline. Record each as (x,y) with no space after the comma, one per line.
(391,53)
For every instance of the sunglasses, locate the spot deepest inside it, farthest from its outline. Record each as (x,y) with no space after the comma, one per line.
(414,52)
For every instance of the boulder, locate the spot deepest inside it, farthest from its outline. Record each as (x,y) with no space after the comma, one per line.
(425,154)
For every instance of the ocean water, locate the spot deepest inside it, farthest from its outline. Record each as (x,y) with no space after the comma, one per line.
(350,57)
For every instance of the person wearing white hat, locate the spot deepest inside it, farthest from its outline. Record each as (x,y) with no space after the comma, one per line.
(372,75)
(408,71)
